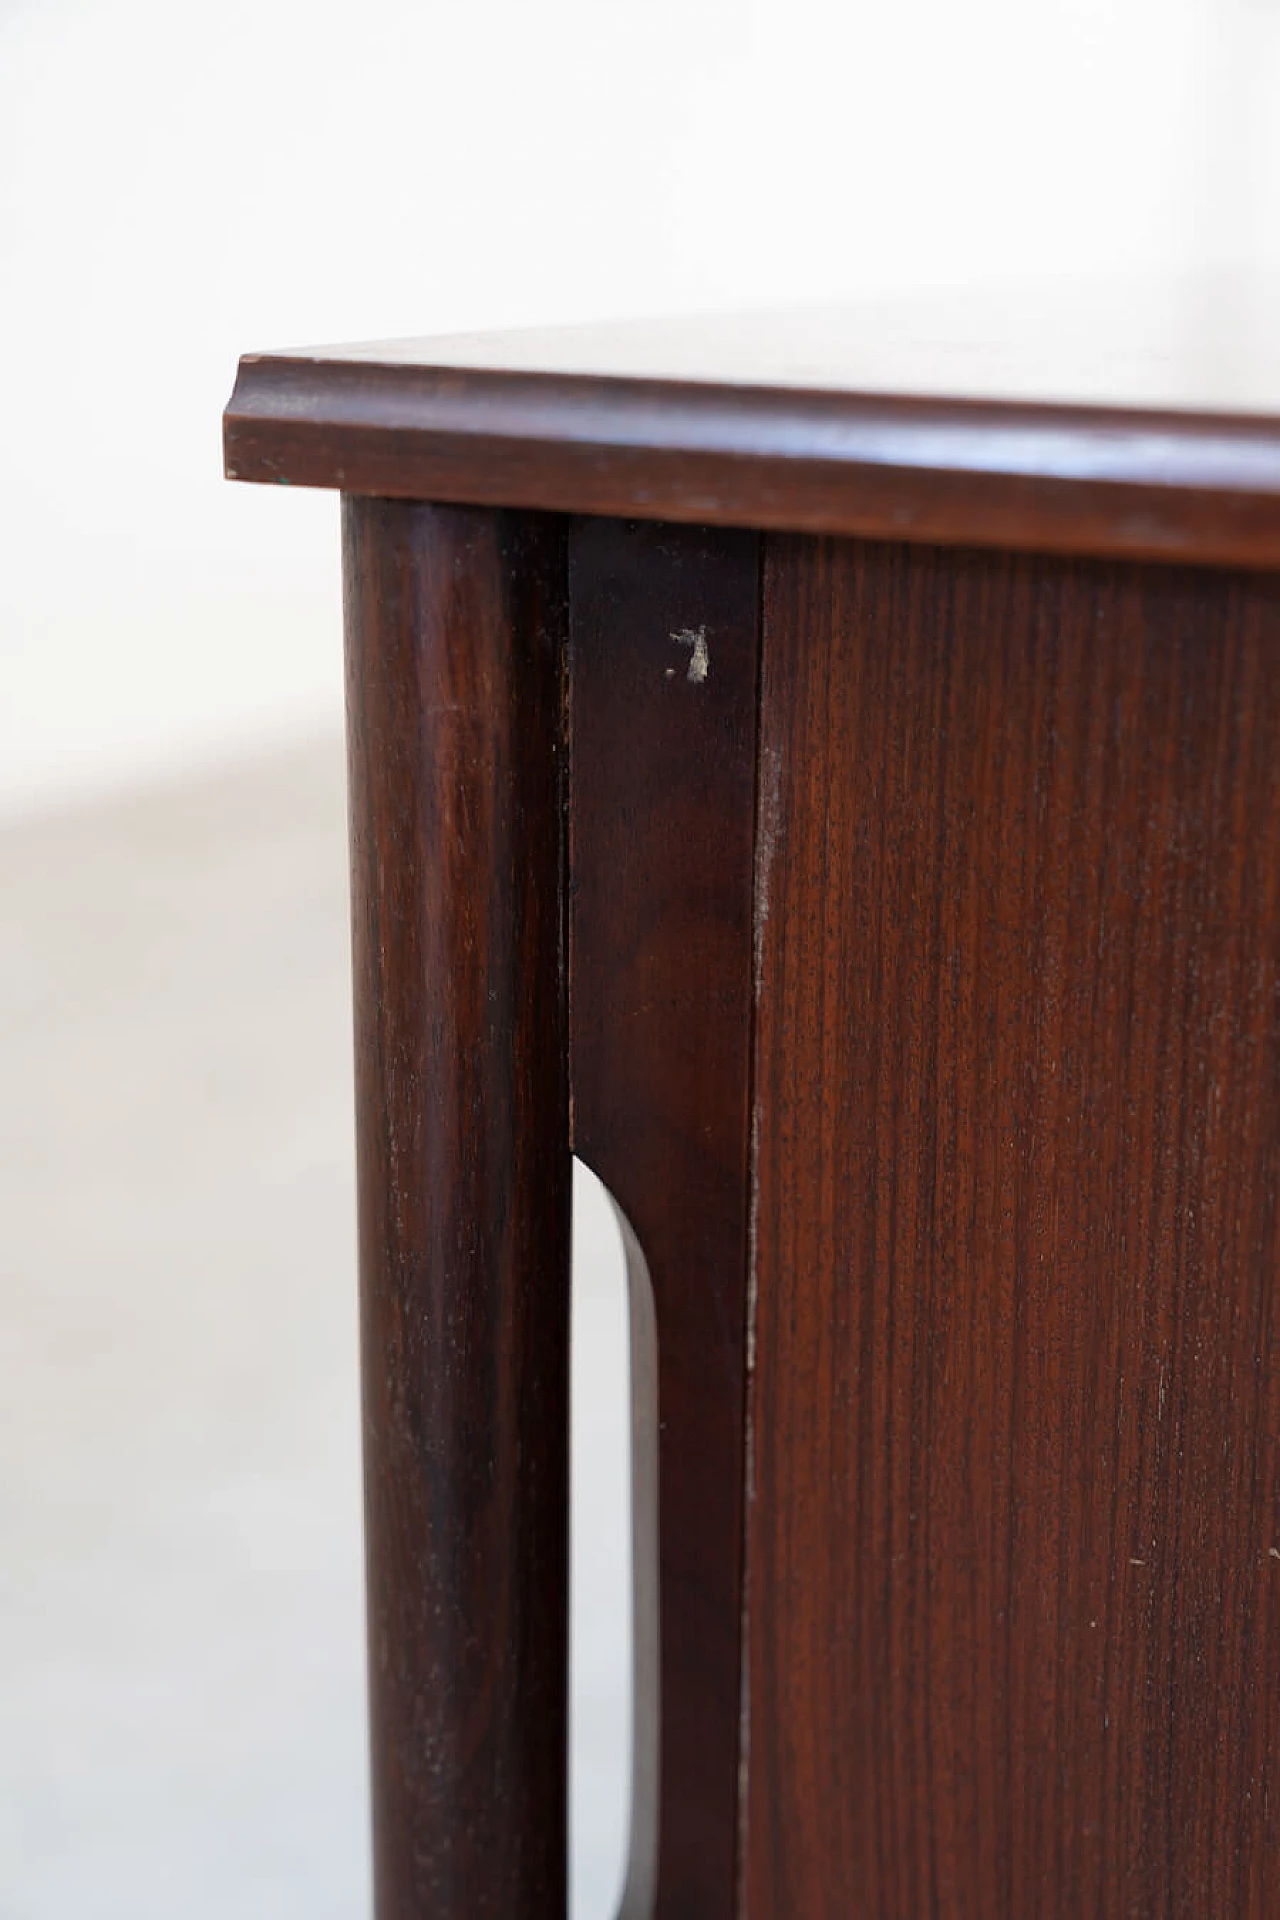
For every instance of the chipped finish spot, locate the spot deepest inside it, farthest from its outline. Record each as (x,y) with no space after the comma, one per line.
(695,638)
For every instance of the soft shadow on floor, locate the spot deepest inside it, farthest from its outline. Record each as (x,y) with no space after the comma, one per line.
(181,1621)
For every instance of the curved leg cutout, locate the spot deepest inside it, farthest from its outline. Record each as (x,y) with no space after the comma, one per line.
(615,1563)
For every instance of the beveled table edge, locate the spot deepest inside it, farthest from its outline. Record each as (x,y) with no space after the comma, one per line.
(1146,483)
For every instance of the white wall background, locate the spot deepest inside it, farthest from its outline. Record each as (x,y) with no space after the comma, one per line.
(177,184)
(183,183)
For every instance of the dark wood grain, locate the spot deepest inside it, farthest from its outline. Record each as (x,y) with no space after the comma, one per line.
(1142,422)
(664,665)
(455,648)
(1014,1544)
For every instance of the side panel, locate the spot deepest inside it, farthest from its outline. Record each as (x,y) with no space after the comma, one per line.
(664,646)
(1014,1548)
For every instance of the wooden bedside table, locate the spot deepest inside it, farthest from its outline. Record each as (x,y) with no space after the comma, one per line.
(825,771)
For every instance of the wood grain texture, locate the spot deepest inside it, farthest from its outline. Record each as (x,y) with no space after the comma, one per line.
(1014,1547)
(664,673)
(455,646)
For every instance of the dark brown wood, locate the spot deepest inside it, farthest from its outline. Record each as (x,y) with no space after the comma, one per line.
(1014,1547)
(966,1585)
(455,647)
(1143,422)
(664,664)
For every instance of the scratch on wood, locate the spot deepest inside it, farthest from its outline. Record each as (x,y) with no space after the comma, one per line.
(768,816)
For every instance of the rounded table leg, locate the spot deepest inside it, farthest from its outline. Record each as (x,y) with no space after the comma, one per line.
(454,626)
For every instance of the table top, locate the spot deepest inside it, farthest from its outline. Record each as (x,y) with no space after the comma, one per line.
(1138,418)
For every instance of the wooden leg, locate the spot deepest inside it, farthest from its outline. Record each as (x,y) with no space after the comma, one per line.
(454,623)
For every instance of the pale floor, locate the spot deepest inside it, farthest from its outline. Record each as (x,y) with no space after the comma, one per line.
(181,1631)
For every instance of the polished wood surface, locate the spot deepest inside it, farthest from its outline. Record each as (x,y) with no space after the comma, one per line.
(1136,419)
(1013,1542)
(455,647)
(664,649)
(1202,344)
(794,771)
